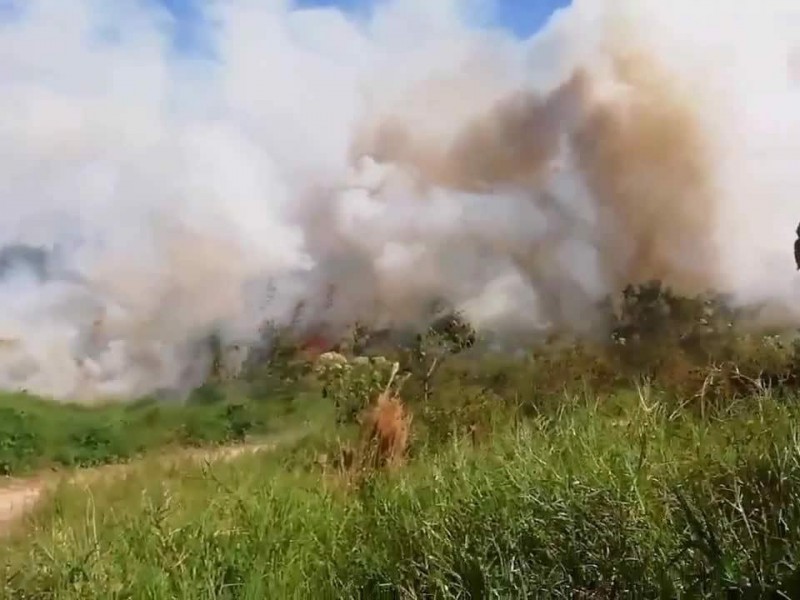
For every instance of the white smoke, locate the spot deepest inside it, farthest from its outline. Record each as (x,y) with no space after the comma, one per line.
(396,159)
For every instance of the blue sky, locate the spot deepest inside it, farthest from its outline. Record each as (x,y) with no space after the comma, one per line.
(522,17)
(525,17)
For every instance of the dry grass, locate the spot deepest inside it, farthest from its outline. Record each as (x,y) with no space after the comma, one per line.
(387,425)
(385,435)
(385,432)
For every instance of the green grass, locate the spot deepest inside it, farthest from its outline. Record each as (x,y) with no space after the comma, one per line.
(36,433)
(665,464)
(628,497)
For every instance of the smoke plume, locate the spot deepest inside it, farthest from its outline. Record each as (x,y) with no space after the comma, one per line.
(164,181)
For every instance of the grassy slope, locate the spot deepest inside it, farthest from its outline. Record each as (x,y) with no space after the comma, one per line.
(37,434)
(618,498)
(555,476)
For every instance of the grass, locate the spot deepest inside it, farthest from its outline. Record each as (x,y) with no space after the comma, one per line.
(619,499)
(571,473)
(37,434)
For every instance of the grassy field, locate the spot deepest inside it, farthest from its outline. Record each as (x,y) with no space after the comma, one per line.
(642,470)
(38,434)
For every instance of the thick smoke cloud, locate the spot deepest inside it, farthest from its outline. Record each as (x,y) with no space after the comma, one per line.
(368,168)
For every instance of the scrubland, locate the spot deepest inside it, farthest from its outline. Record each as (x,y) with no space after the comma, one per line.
(660,461)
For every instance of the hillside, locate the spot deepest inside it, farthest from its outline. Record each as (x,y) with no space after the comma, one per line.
(661,463)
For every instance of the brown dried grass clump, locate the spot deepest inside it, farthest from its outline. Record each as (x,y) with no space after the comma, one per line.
(387,425)
(385,433)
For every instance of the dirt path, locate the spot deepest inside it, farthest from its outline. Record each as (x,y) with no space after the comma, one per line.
(19,496)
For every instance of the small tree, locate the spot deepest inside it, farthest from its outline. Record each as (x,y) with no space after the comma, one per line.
(446,336)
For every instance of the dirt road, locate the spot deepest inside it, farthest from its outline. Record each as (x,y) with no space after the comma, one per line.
(16,499)
(19,496)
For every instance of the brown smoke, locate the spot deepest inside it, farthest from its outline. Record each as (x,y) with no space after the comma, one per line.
(376,170)
(641,153)
(648,166)
(510,144)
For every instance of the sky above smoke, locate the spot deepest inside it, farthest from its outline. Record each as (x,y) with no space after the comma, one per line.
(372,163)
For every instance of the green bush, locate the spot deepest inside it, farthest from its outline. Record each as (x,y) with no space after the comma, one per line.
(19,443)
(36,434)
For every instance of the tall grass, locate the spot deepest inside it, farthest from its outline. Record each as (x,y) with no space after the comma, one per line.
(626,498)
(661,463)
